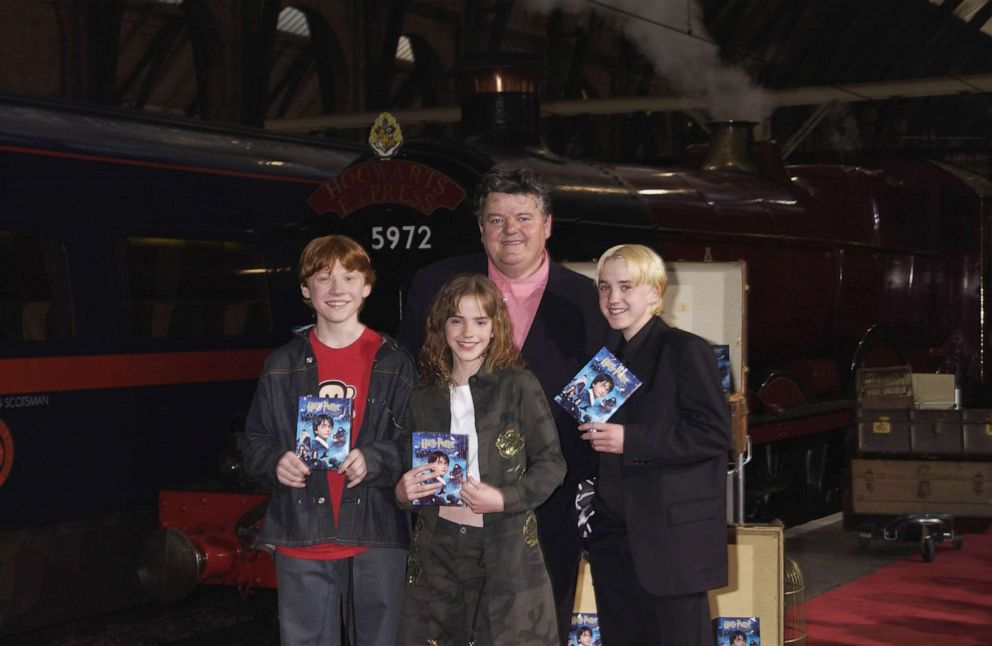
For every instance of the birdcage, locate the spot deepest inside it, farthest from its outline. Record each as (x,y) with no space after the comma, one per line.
(885,387)
(794,604)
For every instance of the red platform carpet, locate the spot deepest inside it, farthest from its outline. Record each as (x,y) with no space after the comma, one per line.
(948,601)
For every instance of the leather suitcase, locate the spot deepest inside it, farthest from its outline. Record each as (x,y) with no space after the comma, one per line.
(935,432)
(893,487)
(976,431)
(883,431)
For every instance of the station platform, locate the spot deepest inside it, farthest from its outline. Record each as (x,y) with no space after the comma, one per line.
(886,593)
(854,597)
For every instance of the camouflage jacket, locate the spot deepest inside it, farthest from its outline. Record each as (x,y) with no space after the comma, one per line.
(519,454)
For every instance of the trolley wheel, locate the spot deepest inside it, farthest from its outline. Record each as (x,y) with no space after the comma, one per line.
(929,549)
(957,542)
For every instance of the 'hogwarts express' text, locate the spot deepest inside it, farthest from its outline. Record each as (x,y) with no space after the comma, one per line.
(386,182)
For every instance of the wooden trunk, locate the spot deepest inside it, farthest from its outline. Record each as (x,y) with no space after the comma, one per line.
(893,487)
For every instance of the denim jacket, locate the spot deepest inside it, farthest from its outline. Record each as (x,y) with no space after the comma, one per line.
(369,515)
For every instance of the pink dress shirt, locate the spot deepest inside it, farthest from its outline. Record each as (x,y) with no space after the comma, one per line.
(522,297)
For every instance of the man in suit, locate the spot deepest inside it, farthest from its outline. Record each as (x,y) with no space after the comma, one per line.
(556,326)
(659,539)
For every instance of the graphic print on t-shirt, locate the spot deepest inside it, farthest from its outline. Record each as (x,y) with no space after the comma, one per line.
(342,373)
(335,388)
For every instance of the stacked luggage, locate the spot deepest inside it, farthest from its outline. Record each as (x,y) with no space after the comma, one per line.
(915,464)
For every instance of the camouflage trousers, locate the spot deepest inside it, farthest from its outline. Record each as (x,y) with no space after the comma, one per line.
(446,601)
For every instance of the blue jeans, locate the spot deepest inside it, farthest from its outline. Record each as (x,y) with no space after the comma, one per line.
(318,600)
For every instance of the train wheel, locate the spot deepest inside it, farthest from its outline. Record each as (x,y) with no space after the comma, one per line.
(795,479)
(765,487)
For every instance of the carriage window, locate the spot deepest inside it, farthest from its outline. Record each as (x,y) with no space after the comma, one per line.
(192,288)
(34,288)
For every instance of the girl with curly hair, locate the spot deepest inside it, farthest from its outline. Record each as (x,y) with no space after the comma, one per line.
(477,571)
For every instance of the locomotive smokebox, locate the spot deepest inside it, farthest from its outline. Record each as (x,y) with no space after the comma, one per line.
(730,148)
(500,99)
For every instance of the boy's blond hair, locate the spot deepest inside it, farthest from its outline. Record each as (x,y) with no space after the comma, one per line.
(644,266)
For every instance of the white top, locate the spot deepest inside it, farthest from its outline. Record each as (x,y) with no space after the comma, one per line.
(463,423)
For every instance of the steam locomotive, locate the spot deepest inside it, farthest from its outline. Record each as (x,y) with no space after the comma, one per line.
(148,267)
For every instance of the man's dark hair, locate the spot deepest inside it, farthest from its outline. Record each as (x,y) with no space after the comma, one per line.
(513,181)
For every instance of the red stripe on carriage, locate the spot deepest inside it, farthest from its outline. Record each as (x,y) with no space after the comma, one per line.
(57,374)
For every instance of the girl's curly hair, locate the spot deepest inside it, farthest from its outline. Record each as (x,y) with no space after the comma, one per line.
(435,355)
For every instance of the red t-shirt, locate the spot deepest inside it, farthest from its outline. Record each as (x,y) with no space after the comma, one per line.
(342,372)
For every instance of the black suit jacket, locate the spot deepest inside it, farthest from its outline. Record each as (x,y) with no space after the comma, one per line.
(567,331)
(671,478)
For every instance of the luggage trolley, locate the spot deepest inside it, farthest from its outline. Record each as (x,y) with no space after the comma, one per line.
(888,477)
(934,528)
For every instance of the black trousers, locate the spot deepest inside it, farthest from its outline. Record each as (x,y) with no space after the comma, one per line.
(557,529)
(629,614)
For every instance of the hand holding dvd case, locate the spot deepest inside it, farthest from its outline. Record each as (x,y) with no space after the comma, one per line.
(598,389)
(323,431)
(451,451)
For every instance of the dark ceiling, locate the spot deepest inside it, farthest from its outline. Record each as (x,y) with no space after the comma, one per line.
(789,43)
(318,64)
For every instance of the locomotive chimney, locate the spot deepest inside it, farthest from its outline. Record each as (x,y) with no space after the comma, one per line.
(500,99)
(730,147)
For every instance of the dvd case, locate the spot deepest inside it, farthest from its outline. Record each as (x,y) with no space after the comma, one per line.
(722,353)
(738,631)
(452,451)
(584,630)
(598,389)
(323,431)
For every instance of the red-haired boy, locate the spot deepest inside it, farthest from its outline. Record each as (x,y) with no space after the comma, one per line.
(340,541)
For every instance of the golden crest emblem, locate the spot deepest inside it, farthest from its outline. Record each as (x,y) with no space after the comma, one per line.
(530,530)
(509,442)
(386,137)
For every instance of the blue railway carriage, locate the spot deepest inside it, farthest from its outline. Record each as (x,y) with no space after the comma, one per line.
(146,268)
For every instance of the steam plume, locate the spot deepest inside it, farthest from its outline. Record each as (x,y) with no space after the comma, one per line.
(690,63)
